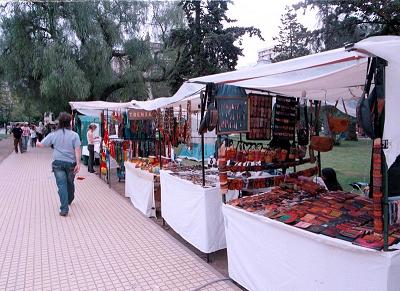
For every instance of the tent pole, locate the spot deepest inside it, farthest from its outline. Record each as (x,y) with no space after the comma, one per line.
(317,107)
(109,158)
(385,204)
(203,171)
(102,138)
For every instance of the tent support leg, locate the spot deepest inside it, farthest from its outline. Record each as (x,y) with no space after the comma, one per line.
(203,171)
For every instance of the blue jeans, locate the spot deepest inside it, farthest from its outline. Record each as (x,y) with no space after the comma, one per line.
(25,140)
(64,173)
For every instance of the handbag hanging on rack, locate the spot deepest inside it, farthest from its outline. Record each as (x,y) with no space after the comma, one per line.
(303,130)
(338,124)
(320,143)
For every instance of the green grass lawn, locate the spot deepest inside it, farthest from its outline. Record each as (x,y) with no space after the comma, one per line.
(351,160)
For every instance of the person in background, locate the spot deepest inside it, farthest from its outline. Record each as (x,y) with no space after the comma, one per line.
(26,132)
(17,132)
(66,159)
(33,135)
(40,131)
(330,179)
(91,139)
(47,129)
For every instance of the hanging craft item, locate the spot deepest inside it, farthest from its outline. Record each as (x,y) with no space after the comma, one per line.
(377,186)
(260,117)
(303,127)
(222,167)
(338,124)
(321,143)
(233,110)
(103,164)
(188,125)
(285,118)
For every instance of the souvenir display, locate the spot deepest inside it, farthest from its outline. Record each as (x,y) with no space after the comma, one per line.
(188,125)
(394,212)
(119,150)
(232,115)
(259,159)
(260,117)
(194,174)
(150,164)
(377,186)
(285,118)
(339,214)
(222,168)
(303,126)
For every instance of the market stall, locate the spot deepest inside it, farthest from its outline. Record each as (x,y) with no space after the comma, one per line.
(264,254)
(194,211)
(141,187)
(282,244)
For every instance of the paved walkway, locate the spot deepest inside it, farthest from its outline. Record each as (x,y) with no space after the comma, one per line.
(103,244)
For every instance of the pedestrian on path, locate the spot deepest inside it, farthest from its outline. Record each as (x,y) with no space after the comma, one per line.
(40,131)
(33,136)
(91,139)
(26,132)
(66,159)
(17,132)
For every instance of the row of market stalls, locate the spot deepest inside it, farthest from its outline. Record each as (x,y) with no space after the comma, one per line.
(282,228)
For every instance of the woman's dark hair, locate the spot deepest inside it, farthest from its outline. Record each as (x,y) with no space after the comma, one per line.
(64,120)
(330,179)
(92,126)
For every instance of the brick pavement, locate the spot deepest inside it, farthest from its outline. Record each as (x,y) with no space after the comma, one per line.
(103,244)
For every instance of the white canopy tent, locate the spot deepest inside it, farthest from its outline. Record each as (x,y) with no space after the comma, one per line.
(94,108)
(328,76)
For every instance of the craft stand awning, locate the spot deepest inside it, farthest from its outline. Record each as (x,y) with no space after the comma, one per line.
(327,76)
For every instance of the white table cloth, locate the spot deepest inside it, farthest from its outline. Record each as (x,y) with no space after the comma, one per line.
(193,212)
(264,254)
(139,187)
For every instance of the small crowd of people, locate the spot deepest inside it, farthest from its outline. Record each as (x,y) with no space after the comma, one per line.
(28,134)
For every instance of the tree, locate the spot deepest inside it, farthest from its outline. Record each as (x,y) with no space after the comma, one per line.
(205,46)
(5,103)
(344,21)
(54,52)
(349,21)
(292,39)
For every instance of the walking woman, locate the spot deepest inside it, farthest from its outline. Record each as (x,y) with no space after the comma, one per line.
(91,139)
(66,159)
(33,136)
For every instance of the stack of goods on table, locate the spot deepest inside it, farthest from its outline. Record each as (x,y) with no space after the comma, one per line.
(306,205)
(194,175)
(243,169)
(150,164)
(258,159)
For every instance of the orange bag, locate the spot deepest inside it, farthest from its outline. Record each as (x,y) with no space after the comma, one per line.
(321,143)
(338,125)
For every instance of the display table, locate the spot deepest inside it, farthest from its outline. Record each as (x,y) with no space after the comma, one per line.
(264,254)
(193,212)
(139,187)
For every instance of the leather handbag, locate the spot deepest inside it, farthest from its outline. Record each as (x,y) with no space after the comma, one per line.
(321,143)
(337,124)
(209,121)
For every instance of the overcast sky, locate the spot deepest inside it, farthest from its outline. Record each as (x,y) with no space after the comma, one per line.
(265,15)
